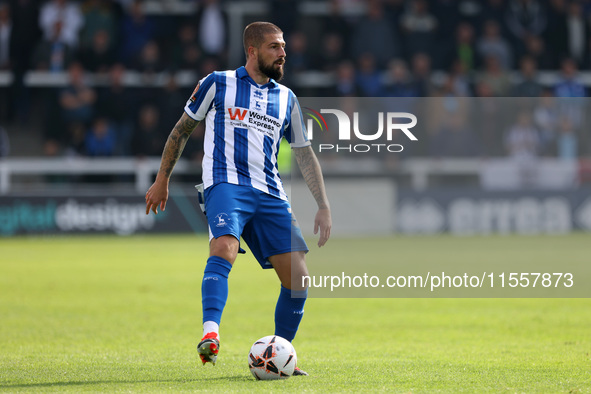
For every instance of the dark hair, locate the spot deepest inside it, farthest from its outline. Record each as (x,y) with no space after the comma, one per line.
(254,34)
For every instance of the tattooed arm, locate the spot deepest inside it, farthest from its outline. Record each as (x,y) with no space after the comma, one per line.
(157,195)
(312,174)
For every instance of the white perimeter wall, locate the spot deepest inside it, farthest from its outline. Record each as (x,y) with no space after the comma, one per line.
(359,207)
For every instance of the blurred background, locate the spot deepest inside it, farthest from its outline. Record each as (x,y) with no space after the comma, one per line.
(89,91)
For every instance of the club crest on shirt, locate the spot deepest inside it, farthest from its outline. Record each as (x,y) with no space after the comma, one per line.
(193,98)
(258,101)
(222,219)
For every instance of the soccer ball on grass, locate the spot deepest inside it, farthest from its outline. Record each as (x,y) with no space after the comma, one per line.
(272,357)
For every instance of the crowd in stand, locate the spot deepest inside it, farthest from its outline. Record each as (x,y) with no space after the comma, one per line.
(485,48)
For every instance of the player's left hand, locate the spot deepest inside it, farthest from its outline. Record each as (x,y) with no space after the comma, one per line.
(323,222)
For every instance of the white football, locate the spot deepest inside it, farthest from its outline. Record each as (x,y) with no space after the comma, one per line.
(272,357)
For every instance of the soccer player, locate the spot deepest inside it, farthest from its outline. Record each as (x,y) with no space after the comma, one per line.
(247,113)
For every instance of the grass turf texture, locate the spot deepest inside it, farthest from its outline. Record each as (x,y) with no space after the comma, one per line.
(108,314)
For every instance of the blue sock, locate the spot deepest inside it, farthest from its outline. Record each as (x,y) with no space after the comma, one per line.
(214,288)
(289,312)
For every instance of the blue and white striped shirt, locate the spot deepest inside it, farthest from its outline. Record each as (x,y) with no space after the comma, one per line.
(244,124)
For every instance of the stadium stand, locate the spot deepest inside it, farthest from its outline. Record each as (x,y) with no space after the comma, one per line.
(135,52)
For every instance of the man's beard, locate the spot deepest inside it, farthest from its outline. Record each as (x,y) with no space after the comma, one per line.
(270,71)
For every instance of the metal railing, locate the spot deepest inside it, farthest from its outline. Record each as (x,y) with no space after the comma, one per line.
(557,174)
(143,170)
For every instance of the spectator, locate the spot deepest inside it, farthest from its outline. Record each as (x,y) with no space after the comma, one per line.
(116,104)
(368,77)
(299,59)
(6,94)
(122,6)
(529,85)
(545,118)
(100,139)
(556,34)
(68,14)
(24,37)
(52,121)
(209,65)
(568,90)
(421,74)
(100,56)
(536,49)
(25,33)
(487,117)
(462,49)
(337,25)
(148,137)
(53,54)
(400,83)
(51,148)
(4,143)
(149,60)
(171,100)
(587,62)
(136,31)
(578,33)
(495,77)
(472,13)
(419,27)
(186,54)
(332,52)
(496,10)
(522,140)
(567,141)
(393,9)
(449,105)
(375,35)
(346,84)
(6,38)
(74,140)
(298,53)
(459,80)
(212,28)
(493,44)
(77,98)
(98,16)
(523,146)
(525,18)
(448,19)
(569,86)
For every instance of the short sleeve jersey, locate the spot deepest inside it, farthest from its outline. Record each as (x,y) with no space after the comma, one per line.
(244,125)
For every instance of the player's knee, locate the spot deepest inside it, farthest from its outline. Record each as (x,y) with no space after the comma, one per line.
(299,280)
(225,247)
(300,270)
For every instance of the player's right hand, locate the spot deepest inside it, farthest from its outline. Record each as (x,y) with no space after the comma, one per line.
(157,195)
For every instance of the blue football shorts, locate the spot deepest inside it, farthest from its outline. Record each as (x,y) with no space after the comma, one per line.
(264,222)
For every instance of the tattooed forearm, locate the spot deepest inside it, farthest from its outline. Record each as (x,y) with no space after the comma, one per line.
(175,144)
(310,169)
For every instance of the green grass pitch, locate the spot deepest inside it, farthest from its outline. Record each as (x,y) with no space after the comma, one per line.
(113,314)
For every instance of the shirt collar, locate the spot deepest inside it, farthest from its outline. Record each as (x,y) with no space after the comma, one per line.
(243,74)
